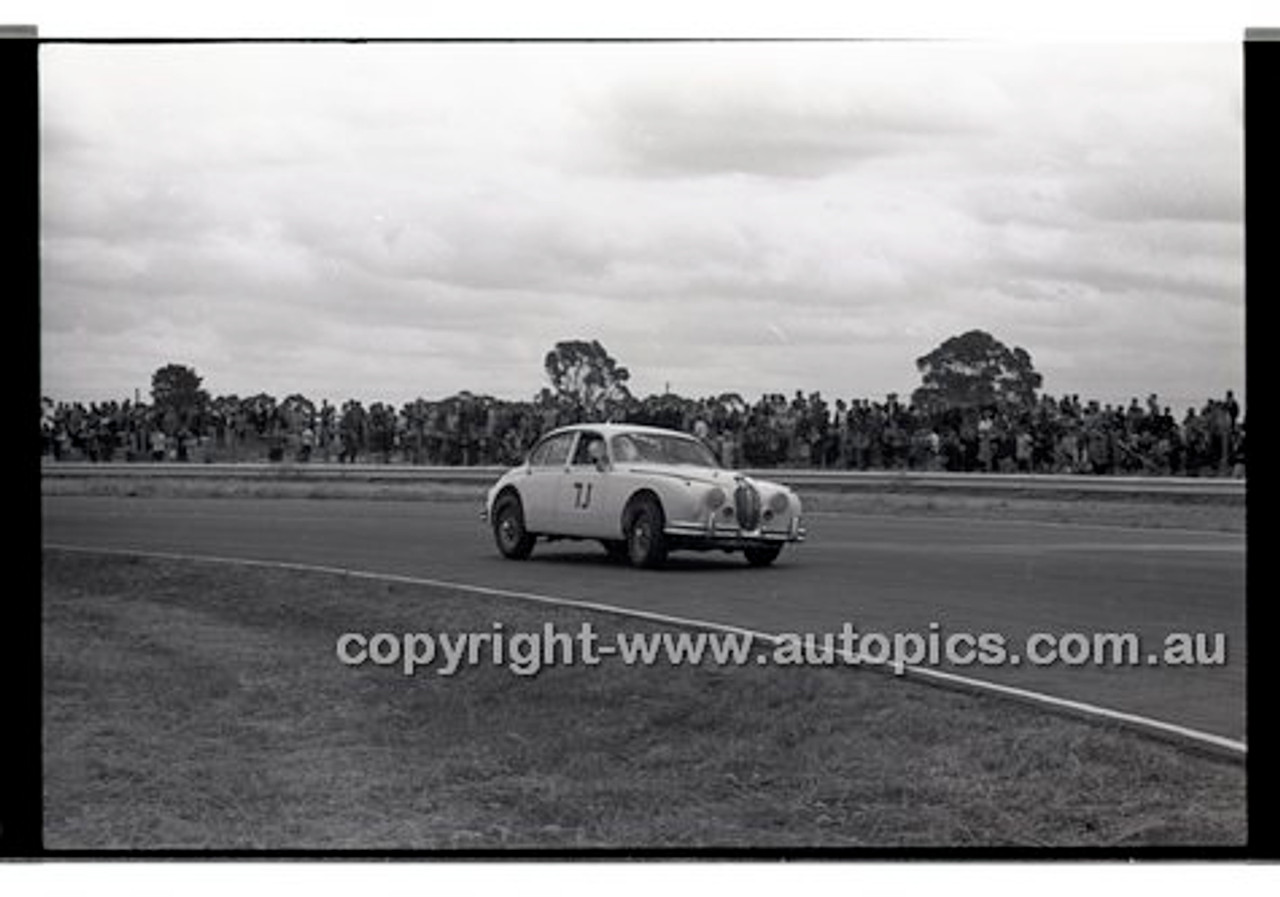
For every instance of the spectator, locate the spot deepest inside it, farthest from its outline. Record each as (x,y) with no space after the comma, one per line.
(158,445)
(1053,434)
(1023,444)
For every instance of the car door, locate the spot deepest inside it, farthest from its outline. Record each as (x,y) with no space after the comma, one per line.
(540,486)
(585,491)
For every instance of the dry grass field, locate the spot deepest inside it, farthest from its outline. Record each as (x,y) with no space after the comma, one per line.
(197,706)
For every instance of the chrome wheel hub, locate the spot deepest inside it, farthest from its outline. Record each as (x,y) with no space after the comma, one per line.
(640,540)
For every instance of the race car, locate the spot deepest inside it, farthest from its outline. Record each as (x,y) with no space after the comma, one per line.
(641,492)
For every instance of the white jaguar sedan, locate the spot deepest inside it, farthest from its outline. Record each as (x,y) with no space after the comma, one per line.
(641,492)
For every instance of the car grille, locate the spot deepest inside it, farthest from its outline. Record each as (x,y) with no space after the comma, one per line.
(746,502)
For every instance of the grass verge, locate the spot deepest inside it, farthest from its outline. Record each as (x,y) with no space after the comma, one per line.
(1151,511)
(193,705)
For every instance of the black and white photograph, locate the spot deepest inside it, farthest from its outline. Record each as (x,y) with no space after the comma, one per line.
(643,447)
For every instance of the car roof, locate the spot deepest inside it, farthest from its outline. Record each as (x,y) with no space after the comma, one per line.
(611,429)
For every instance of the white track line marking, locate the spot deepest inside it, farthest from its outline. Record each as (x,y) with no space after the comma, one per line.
(1035,697)
(1030,548)
(1230,548)
(1020,523)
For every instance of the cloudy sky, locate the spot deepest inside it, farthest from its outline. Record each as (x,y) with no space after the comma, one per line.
(393,220)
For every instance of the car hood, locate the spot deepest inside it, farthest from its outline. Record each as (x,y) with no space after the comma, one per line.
(710,476)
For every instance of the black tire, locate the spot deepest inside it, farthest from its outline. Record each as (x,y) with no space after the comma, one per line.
(508,528)
(646,543)
(615,548)
(762,555)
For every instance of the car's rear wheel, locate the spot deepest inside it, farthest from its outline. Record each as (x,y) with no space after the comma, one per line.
(508,528)
(646,543)
(762,555)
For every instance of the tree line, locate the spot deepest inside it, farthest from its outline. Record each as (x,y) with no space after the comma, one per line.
(978,407)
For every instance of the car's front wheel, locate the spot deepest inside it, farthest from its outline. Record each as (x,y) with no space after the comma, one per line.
(646,542)
(508,528)
(762,555)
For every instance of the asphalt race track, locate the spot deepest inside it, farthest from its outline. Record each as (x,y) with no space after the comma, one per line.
(881,574)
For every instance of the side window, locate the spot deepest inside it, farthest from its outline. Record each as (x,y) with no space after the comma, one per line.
(624,449)
(551,452)
(582,454)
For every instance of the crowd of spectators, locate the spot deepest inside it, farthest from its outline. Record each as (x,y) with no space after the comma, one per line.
(1053,435)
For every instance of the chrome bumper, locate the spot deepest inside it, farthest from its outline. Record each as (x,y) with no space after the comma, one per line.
(729,536)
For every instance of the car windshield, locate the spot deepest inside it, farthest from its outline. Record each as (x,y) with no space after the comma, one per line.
(656,448)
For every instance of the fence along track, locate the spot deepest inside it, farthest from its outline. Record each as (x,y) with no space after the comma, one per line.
(817,480)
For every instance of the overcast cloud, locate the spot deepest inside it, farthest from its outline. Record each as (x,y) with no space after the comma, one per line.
(389,221)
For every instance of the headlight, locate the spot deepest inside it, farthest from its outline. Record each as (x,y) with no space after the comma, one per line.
(778,502)
(715,497)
